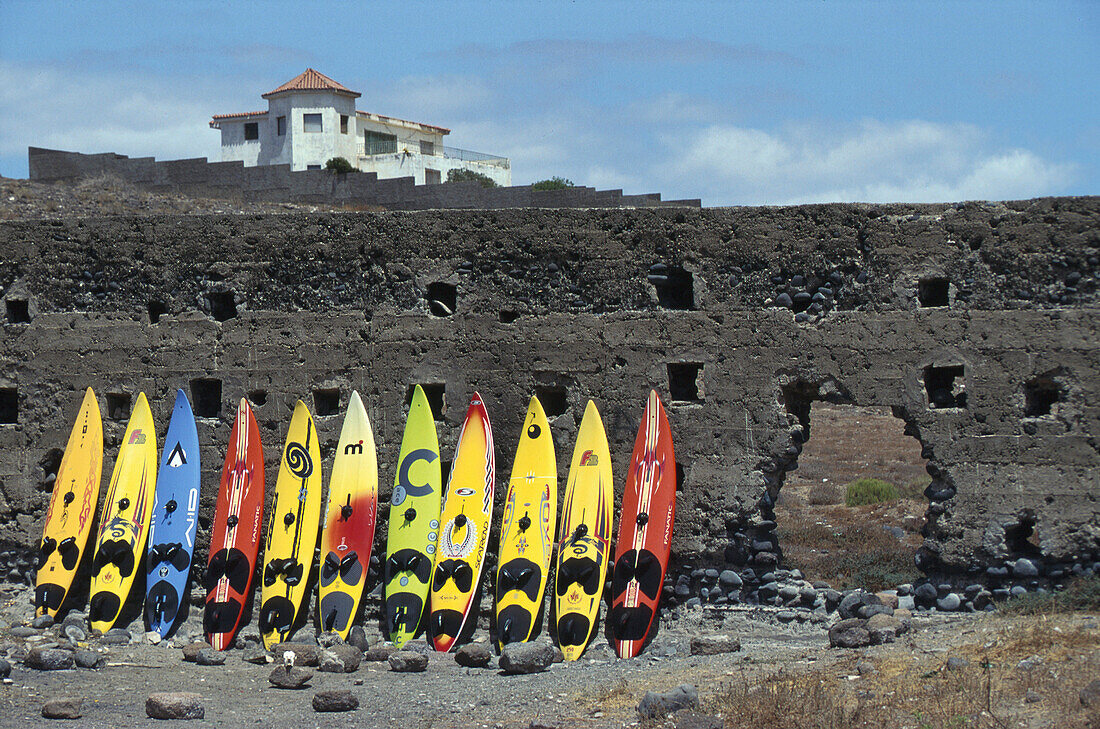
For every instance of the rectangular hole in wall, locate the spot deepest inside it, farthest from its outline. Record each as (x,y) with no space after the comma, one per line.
(442,298)
(1040,394)
(118,405)
(9,406)
(223,305)
(18,311)
(206,395)
(683,381)
(251,131)
(507,316)
(326,402)
(675,287)
(258,397)
(945,386)
(933,291)
(554,399)
(435,392)
(157,309)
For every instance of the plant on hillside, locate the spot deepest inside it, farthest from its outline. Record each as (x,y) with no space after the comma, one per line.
(339,165)
(458,175)
(869,491)
(554,183)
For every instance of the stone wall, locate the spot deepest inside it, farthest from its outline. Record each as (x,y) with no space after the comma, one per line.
(276,183)
(976,323)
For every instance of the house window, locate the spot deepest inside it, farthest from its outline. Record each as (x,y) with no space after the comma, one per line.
(251,131)
(311,122)
(343,123)
(280,125)
(427,147)
(313,167)
(378,143)
(432,177)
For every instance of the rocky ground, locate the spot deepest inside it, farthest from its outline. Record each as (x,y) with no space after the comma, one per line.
(106,195)
(765,673)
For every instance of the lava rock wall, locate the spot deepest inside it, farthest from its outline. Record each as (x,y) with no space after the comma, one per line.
(977,323)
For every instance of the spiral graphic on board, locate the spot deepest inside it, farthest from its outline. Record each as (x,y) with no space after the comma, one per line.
(298,460)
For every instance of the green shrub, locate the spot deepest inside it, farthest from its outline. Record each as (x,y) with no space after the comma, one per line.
(869,491)
(554,183)
(459,175)
(340,165)
(1082,594)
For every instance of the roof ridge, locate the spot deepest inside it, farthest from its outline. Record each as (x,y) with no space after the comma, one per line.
(312,80)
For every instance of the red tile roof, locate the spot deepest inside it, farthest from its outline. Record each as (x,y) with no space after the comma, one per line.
(310,80)
(243,115)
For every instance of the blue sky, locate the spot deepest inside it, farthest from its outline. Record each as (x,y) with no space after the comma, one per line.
(736,103)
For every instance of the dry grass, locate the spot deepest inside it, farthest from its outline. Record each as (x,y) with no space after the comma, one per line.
(847,546)
(915,689)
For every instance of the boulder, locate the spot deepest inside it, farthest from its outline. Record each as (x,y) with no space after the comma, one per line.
(336,700)
(293,677)
(883,628)
(656,705)
(474,655)
(305,654)
(49,659)
(89,659)
(357,637)
(67,708)
(379,653)
(712,645)
(174,705)
(207,656)
(1090,695)
(340,658)
(256,656)
(850,633)
(526,657)
(1022,567)
(191,650)
(949,602)
(408,662)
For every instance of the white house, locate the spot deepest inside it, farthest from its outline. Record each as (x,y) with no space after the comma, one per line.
(311,119)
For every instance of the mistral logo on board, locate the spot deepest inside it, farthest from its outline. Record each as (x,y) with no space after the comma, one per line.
(354,448)
(137,437)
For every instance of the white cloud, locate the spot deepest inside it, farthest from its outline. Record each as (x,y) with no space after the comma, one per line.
(133,114)
(907,161)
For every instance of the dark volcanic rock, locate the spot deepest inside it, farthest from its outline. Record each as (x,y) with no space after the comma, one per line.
(336,700)
(292,678)
(408,662)
(89,659)
(49,659)
(850,633)
(305,654)
(656,705)
(340,658)
(474,655)
(191,650)
(175,705)
(710,645)
(526,657)
(67,708)
(207,656)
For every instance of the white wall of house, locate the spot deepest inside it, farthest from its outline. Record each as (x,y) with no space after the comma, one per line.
(236,148)
(419,154)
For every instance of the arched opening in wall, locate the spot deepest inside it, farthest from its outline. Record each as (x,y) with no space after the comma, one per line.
(442,298)
(118,405)
(223,305)
(852,507)
(157,309)
(326,401)
(554,399)
(436,394)
(206,395)
(258,398)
